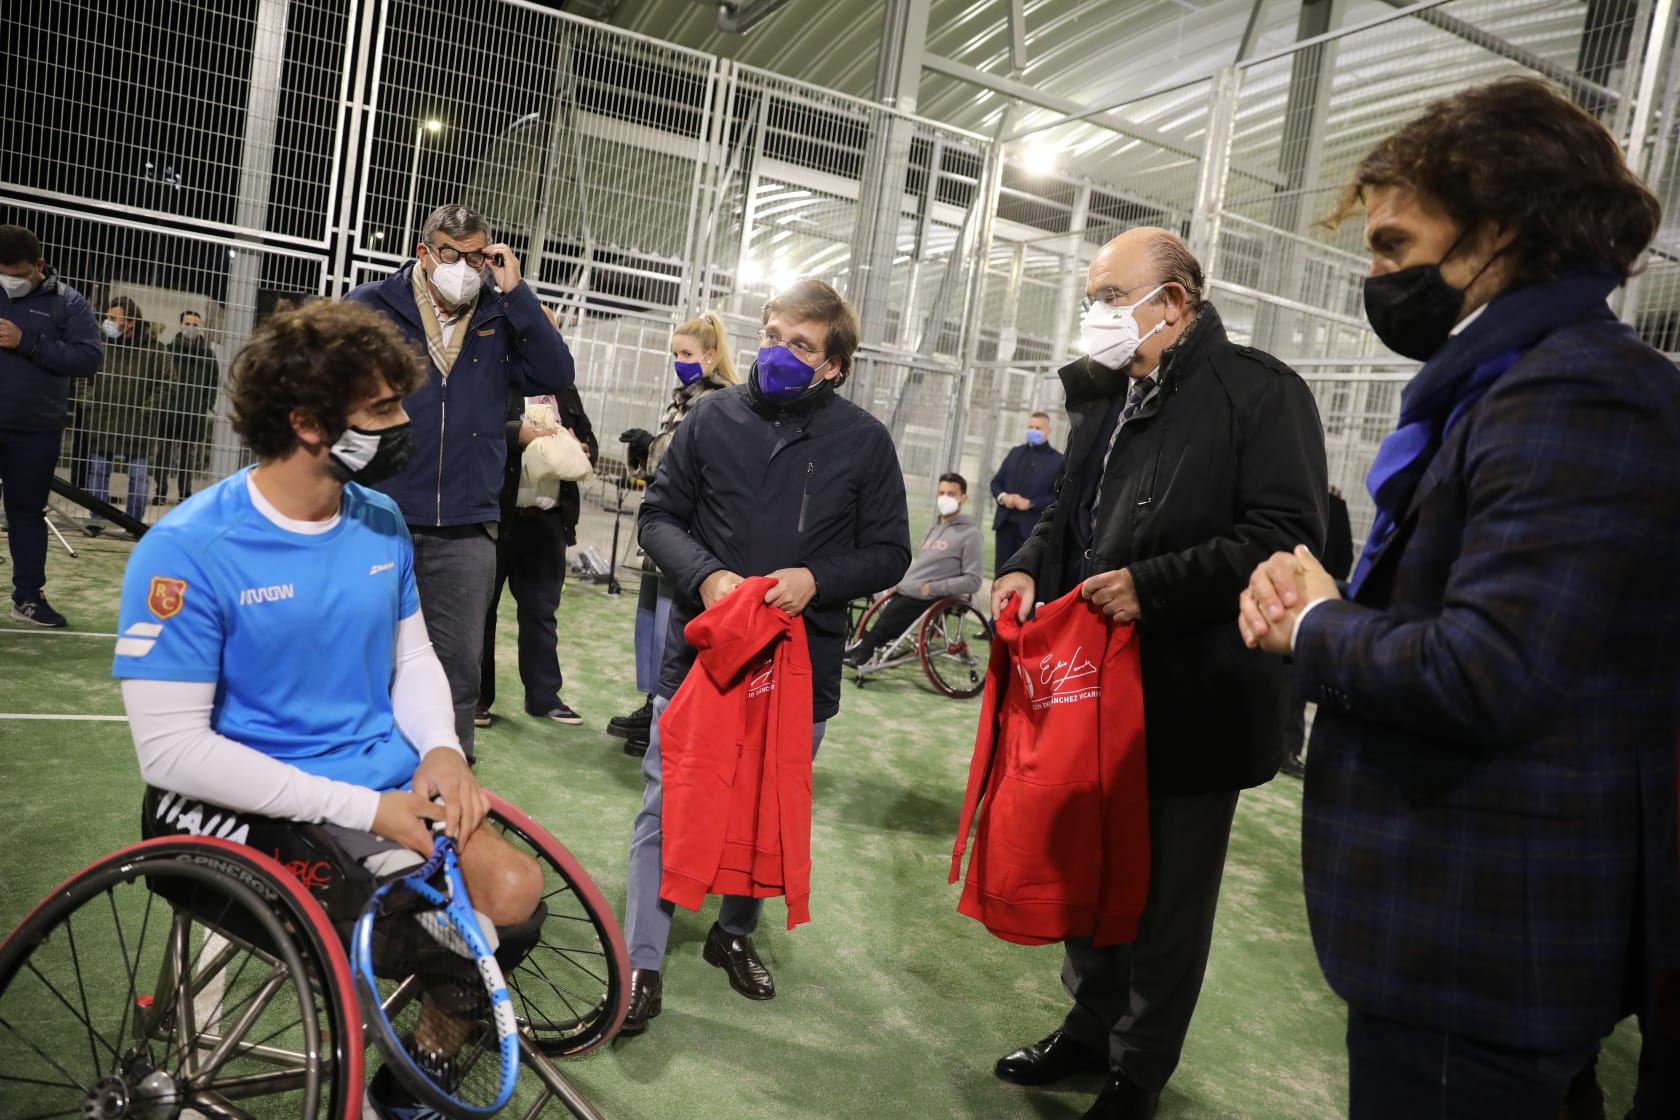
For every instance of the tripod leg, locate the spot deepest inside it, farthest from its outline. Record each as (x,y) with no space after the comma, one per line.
(614,591)
(59,535)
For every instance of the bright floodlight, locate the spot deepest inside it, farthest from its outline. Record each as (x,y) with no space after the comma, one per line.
(1038,158)
(433,125)
(751,272)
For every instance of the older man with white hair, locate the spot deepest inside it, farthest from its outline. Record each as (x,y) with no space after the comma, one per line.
(1189,459)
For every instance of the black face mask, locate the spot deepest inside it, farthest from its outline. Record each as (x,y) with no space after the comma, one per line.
(369,457)
(1413,310)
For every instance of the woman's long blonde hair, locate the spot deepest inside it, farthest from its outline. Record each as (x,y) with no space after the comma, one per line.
(709,332)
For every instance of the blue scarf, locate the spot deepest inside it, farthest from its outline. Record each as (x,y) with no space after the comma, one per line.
(1455,379)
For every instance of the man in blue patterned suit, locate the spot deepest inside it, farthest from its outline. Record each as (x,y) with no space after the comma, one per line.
(1489,838)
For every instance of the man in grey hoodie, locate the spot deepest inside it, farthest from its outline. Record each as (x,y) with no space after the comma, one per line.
(950,563)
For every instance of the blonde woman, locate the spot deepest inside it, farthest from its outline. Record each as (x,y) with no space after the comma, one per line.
(701,363)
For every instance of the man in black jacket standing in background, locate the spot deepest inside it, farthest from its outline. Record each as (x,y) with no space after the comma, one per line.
(1022,487)
(779,477)
(1189,459)
(531,562)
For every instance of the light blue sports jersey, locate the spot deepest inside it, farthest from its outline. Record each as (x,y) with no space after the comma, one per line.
(298,631)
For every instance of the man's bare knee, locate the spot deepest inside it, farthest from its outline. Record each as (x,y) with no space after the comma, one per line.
(507,886)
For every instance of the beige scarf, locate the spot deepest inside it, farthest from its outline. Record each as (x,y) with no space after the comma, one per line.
(431,319)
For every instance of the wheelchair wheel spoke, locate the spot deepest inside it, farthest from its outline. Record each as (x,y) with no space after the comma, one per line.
(84,1023)
(71,1082)
(86,1015)
(131,965)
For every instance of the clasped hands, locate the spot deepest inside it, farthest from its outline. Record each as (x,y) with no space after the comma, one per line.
(1281,588)
(793,591)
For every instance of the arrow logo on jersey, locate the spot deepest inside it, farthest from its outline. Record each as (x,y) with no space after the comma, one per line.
(167,596)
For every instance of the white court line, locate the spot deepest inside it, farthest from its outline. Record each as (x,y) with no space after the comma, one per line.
(92,719)
(45,632)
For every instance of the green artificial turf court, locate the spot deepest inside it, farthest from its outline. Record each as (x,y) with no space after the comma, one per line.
(889,1003)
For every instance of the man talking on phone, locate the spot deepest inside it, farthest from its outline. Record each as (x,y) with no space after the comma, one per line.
(463,303)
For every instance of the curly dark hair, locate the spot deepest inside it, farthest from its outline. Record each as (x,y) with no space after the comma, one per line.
(1517,155)
(320,360)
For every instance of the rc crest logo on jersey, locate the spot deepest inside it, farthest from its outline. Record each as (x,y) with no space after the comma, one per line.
(167,596)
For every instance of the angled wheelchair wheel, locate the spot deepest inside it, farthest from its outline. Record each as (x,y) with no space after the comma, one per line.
(572,989)
(179,977)
(866,618)
(954,648)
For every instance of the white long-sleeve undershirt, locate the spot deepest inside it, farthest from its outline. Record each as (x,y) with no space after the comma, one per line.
(179,751)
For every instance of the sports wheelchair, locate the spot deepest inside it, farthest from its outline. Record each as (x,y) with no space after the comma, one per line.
(951,640)
(203,976)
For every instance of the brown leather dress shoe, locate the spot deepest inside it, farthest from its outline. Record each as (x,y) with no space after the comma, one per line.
(646,1000)
(1123,1099)
(1048,1060)
(736,956)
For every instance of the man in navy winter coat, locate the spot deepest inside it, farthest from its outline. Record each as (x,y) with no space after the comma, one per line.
(779,477)
(1022,487)
(479,340)
(47,336)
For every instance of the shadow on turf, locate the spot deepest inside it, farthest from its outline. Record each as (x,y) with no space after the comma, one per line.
(887,806)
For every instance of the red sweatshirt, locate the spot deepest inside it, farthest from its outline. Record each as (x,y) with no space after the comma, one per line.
(735,755)
(1062,849)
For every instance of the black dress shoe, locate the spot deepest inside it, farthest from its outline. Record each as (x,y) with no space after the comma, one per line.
(635,747)
(636,724)
(646,1000)
(1123,1099)
(736,956)
(1293,766)
(1048,1060)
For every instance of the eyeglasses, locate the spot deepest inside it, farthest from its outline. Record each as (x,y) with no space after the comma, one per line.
(801,351)
(1111,297)
(448,254)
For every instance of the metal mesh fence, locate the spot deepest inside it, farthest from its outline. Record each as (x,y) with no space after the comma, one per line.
(153,426)
(221,158)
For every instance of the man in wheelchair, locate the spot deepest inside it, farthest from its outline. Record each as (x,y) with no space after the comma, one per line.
(275,662)
(951,562)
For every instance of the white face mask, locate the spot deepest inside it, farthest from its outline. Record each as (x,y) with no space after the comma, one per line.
(112,331)
(1110,334)
(189,333)
(16,286)
(947,505)
(457,283)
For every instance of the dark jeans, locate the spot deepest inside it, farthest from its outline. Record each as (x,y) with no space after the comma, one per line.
(1401,1072)
(891,619)
(27,460)
(456,571)
(531,562)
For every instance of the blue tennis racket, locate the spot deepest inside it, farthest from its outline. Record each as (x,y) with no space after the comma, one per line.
(448,1031)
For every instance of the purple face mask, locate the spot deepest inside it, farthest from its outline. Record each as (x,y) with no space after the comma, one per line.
(689,372)
(781,375)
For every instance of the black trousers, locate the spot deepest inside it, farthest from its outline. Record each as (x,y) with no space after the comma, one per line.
(890,621)
(1009,540)
(1134,1002)
(531,562)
